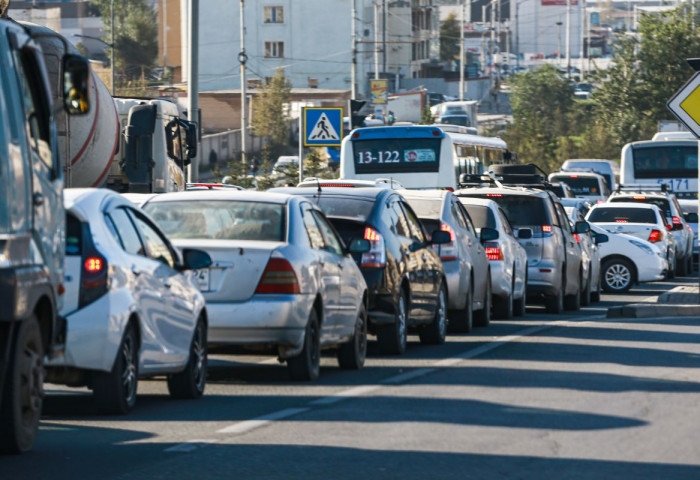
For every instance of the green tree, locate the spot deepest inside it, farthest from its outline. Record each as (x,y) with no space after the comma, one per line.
(449,38)
(270,119)
(426,116)
(135,36)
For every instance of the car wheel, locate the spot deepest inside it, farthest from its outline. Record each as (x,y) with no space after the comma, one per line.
(482,318)
(191,381)
(307,365)
(352,354)
(555,303)
(671,269)
(595,296)
(586,292)
(23,393)
(435,332)
(681,267)
(392,338)
(462,321)
(503,308)
(520,303)
(617,275)
(573,302)
(115,391)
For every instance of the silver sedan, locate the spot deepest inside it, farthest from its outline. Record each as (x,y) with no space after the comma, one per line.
(281,281)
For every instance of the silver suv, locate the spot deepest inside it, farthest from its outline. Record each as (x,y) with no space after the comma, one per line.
(555,273)
(667,202)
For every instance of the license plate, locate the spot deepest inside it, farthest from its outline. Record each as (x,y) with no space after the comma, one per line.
(202,279)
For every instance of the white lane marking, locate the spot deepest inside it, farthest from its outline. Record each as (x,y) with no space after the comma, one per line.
(255,423)
(249,425)
(191,446)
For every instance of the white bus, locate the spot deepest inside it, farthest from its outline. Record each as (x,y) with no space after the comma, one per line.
(419,156)
(671,162)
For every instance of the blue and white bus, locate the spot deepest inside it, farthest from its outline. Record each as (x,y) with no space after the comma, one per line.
(670,162)
(418,156)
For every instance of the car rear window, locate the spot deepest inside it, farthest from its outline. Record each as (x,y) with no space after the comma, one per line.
(662,203)
(622,215)
(426,208)
(74,235)
(220,219)
(481,216)
(521,210)
(342,206)
(580,185)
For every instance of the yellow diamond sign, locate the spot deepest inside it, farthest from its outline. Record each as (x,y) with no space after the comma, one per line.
(685,104)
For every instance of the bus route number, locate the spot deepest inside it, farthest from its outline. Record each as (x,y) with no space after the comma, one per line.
(382,156)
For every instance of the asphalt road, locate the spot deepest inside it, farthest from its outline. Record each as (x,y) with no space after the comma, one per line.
(565,396)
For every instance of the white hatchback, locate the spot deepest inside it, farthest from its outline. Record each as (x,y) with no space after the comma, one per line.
(130,311)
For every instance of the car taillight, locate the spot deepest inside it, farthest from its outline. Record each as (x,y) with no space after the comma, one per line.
(278,277)
(95,279)
(578,240)
(676,220)
(655,236)
(546,229)
(376,257)
(669,227)
(493,251)
(448,251)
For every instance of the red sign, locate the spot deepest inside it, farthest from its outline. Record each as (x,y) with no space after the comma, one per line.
(412,156)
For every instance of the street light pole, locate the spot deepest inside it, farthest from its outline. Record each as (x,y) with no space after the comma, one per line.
(193,80)
(461,56)
(242,58)
(568,39)
(111,13)
(353,41)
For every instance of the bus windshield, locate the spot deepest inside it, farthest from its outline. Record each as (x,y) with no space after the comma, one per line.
(665,161)
(391,155)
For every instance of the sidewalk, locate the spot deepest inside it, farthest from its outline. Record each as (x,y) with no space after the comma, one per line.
(678,302)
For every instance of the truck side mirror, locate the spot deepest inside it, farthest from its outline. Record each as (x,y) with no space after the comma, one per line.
(191,140)
(76,84)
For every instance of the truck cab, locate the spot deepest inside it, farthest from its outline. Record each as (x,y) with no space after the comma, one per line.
(32,239)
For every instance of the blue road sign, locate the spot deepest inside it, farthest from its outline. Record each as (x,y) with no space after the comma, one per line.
(322,126)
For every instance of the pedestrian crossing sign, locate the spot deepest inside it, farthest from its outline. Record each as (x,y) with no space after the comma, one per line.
(322,126)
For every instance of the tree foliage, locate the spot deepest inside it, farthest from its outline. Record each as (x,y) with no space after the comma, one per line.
(270,119)
(135,35)
(449,38)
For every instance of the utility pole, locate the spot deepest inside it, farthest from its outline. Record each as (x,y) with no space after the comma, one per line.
(111,14)
(517,37)
(461,56)
(559,45)
(493,41)
(242,58)
(384,36)
(376,41)
(353,46)
(568,39)
(193,80)
(581,9)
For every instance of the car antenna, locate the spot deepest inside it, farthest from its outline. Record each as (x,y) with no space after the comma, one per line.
(318,184)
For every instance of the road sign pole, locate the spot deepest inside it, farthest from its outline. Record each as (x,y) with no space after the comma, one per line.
(301,144)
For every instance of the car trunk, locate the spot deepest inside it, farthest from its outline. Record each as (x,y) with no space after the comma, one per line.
(639,230)
(236,268)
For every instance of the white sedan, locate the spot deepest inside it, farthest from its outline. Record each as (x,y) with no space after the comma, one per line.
(282,281)
(130,311)
(507,257)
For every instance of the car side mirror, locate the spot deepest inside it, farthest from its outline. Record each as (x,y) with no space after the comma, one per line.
(440,237)
(488,234)
(691,217)
(194,259)
(359,245)
(582,227)
(524,233)
(600,238)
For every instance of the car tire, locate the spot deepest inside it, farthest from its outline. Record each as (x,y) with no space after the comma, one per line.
(520,304)
(682,267)
(352,354)
(617,275)
(392,338)
(23,392)
(462,321)
(595,295)
(307,365)
(671,270)
(190,383)
(435,332)
(503,308)
(586,292)
(482,318)
(573,302)
(115,391)
(555,303)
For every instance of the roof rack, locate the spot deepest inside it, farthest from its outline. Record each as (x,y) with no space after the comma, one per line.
(653,187)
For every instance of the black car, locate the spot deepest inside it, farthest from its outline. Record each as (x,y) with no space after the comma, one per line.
(405,278)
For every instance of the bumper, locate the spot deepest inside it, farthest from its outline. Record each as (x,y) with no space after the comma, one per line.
(544,278)
(653,268)
(262,320)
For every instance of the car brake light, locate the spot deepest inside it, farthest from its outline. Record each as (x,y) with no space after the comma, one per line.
(620,220)
(546,228)
(494,194)
(376,257)
(573,176)
(94,264)
(639,197)
(339,185)
(448,251)
(655,236)
(95,280)
(493,251)
(278,277)
(578,240)
(676,220)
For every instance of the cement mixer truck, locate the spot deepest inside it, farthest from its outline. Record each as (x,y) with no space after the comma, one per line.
(129,145)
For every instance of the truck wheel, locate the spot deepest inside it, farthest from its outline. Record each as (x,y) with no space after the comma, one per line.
(392,338)
(307,365)
(351,355)
(191,381)
(23,394)
(115,391)
(435,332)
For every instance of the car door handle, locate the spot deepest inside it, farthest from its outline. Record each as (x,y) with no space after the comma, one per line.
(135,270)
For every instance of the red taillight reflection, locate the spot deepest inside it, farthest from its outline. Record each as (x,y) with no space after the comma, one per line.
(372,235)
(446,228)
(94,264)
(655,236)
(578,240)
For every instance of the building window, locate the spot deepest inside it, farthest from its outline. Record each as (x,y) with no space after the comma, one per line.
(274,49)
(273,14)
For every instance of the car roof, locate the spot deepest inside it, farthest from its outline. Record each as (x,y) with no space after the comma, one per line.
(369,193)
(626,205)
(89,201)
(630,193)
(504,190)
(579,172)
(223,194)
(432,193)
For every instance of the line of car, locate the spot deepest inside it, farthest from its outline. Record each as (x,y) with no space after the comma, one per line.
(151,286)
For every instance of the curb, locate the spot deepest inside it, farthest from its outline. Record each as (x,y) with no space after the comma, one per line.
(641,310)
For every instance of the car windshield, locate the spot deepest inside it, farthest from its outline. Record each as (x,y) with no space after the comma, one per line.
(622,215)
(481,216)
(220,219)
(662,203)
(520,210)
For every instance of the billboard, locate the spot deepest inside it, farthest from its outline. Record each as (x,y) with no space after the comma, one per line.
(378,89)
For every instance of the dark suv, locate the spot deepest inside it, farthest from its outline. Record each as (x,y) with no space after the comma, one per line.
(405,278)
